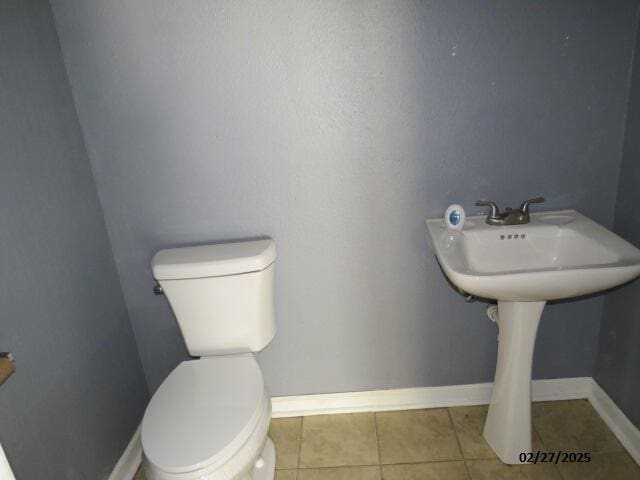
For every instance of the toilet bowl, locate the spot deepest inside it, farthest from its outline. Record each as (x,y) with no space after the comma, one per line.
(210,417)
(209,420)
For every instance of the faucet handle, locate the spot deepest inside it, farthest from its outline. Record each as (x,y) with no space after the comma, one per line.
(495,211)
(524,208)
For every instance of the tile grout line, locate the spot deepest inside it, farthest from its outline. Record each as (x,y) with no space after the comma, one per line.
(375,424)
(535,431)
(356,465)
(543,448)
(299,446)
(360,465)
(455,434)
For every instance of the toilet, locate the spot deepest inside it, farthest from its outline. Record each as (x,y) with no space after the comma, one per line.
(210,417)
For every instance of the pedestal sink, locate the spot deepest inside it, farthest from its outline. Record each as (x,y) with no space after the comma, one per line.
(559,254)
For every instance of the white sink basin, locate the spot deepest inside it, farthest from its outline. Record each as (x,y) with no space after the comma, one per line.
(557,255)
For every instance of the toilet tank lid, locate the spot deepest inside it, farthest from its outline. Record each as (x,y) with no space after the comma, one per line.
(213,260)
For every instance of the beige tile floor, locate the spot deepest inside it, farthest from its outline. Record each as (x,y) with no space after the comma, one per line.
(442,444)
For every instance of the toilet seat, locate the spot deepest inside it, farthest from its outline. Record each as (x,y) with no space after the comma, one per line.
(203,414)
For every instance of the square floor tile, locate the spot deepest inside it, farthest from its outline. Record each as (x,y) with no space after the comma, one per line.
(286,474)
(339,440)
(340,473)
(573,426)
(609,466)
(426,471)
(468,423)
(285,433)
(414,436)
(496,470)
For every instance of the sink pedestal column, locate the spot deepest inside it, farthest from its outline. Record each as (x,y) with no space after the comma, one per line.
(508,425)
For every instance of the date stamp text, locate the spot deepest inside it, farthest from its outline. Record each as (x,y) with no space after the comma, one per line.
(555,457)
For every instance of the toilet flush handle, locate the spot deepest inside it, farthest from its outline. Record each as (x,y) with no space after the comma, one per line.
(157,290)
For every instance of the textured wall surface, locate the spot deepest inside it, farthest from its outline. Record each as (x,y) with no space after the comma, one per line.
(79,390)
(618,360)
(336,128)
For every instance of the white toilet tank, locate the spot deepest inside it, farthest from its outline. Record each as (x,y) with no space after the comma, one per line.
(221,295)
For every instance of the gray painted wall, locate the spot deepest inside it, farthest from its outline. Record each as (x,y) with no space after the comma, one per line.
(79,391)
(618,360)
(336,128)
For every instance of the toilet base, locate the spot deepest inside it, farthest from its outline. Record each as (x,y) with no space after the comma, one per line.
(266,465)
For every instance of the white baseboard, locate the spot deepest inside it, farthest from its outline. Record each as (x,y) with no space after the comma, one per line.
(5,469)
(560,389)
(422,397)
(426,397)
(616,420)
(130,460)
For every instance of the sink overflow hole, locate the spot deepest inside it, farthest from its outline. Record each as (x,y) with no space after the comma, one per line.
(512,236)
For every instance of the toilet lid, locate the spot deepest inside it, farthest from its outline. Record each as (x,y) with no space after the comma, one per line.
(203,412)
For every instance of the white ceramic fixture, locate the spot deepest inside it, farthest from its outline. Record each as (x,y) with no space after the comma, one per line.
(209,418)
(559,254)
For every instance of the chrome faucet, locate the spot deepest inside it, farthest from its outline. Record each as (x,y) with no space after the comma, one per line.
(510,216)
